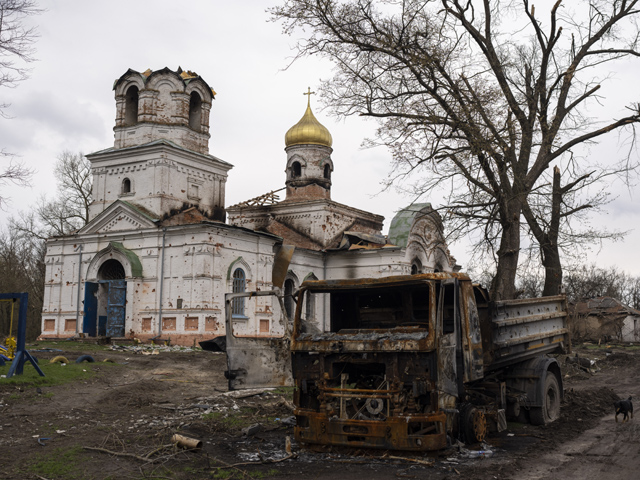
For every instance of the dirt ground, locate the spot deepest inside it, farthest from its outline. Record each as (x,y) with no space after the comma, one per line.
(118,424)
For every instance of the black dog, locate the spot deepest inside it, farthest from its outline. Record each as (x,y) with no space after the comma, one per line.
(624,407)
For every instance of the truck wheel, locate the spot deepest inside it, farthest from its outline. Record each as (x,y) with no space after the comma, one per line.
(550,410)
(475,425)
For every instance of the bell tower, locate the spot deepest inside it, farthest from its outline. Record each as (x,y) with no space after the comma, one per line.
(163,104)
(309,165)
(160,158)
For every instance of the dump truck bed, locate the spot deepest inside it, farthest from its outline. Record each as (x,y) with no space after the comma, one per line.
(516,330)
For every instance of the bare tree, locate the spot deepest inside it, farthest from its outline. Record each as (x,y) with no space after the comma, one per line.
(482,94)
(22,269)
(66,213)
(15,173)
(73,172)
(16,51)
(16,42)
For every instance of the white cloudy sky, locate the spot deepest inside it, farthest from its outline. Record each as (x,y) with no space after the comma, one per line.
(67,103)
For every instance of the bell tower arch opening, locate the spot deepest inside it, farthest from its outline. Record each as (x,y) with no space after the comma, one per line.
(131,106)
(195,112)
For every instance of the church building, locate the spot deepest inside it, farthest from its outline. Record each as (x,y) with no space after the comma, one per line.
(161,249)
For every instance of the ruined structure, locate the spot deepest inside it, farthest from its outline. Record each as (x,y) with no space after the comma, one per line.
(158,253)
(606,319)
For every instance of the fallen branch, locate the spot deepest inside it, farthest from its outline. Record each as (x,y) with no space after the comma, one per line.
(421,462)
(130,455)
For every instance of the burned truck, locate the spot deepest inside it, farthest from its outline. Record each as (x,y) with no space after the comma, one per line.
(412,362)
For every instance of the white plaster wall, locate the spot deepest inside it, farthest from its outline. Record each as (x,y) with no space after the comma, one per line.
(197,261)
(631,329)
(162,178)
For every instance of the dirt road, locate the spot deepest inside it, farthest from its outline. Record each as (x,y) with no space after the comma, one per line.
(118,424)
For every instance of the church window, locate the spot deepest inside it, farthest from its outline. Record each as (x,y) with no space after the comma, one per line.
(131,106)
(327,171)
(195,111)
(111,270)
(296,170)
(416,266)
(126,186)
(239,285)
(289,303)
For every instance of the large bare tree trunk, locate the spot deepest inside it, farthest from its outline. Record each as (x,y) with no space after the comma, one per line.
(503,285)
(549,243)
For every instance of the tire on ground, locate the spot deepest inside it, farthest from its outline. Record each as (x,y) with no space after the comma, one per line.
(85,358)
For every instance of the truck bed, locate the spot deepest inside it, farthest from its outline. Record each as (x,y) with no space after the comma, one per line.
(522,329)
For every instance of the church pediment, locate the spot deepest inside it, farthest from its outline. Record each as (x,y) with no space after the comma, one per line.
(119,217)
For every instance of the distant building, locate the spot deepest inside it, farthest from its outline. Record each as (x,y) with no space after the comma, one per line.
(605,318)
(158,253)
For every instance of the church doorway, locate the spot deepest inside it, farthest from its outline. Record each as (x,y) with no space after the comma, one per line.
(105,301)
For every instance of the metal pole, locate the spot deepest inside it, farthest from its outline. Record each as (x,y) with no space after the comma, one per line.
(79,247)
(164,233)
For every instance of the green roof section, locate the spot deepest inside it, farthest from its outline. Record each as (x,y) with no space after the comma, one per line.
(134,261)
(402,222)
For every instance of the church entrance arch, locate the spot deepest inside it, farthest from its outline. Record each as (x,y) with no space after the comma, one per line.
(105,301)
(105,291)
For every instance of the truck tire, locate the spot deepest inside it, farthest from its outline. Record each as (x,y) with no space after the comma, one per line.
(550,410)
(474,425)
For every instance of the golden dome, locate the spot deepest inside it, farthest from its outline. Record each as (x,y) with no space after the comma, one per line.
(308,130)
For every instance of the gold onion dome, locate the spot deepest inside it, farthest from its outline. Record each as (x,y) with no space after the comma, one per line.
(308,131)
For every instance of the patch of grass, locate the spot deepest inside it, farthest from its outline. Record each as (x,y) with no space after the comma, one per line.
(212,416)
(58,463)
(260,474)
(223,473)
(233,421)
(69,346)
(286,392)
(55,373)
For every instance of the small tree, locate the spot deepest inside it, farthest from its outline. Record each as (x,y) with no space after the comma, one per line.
(482,94)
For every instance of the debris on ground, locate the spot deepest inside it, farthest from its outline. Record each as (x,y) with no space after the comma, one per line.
(153,349)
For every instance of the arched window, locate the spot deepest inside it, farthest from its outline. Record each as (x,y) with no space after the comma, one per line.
(195,111)
(289,303)
(126,186)
(416,266)
(327,171)
(111,270)
(296,170)
(131,106)
(239,285)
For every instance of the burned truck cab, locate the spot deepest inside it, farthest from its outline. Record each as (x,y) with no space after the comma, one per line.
(386,368)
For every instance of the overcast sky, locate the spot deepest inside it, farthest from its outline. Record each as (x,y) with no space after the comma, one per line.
(68,104)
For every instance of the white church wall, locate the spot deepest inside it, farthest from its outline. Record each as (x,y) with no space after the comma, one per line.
(160,178)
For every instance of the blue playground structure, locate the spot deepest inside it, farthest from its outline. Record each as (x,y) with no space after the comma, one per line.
(21,354)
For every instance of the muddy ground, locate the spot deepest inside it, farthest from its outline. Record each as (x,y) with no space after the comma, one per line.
(118,424)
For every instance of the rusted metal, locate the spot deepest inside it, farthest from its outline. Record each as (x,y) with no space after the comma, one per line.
(415,432)
(404,360)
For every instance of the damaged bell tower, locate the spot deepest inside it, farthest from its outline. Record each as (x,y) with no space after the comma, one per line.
(160,158)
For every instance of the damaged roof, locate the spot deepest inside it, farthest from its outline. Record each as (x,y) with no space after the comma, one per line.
(402,223)
(603,306)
